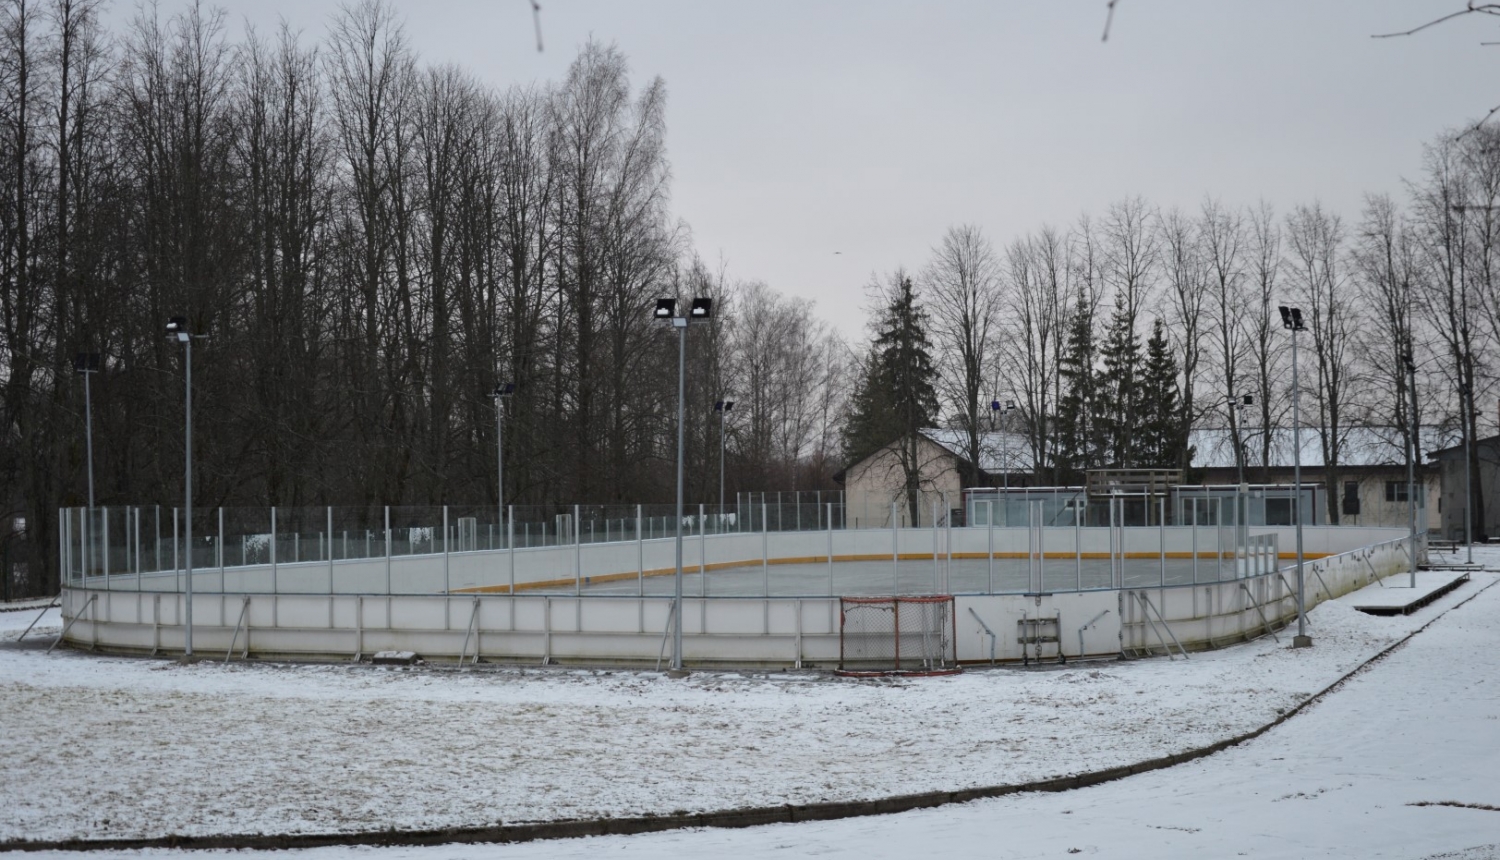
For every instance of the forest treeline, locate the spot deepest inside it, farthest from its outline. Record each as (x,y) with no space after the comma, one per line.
(370,244)
(1116,336)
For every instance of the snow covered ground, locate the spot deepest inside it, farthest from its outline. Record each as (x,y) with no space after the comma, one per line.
(102,747)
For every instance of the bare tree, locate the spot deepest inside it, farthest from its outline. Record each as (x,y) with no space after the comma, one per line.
(961,286)
(1187,269)
(1262,334)
(1317,273)
(1225,250)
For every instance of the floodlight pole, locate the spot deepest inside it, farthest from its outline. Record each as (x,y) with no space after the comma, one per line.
(500,464)
(1411,464)
(666,311)
(1292,319)
(88,434)
(188,492)
(724,407)
(501,392)
(1468,475)
(681,324)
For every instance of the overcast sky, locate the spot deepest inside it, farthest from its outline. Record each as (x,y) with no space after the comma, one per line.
(799,129)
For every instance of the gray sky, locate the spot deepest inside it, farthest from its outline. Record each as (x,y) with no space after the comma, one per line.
(798,129)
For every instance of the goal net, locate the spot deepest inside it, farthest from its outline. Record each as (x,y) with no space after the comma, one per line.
(897,636)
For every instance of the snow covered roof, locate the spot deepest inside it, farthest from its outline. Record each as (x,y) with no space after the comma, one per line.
(1362,446)
(999,451)
(1002,451)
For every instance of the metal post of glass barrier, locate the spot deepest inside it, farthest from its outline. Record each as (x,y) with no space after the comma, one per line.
(895,553)
(990,541)
(1077,544)
(765,545)
(1161,536)
(830,548)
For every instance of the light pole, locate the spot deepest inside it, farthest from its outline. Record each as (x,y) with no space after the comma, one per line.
(995,411)
(1242,516)
(177,329)
(501,392)
(1466,390)
(1291,320)
(666,311)
(1466,393)
(86,364)
(722,407)
(1414,451)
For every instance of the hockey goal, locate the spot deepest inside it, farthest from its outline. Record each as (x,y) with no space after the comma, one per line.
(897,636)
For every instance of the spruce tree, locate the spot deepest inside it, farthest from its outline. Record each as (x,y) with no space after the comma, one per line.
(1162,440)
(1119,388)
(897,398)
(1076,426)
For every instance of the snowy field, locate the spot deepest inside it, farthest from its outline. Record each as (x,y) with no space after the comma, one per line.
(108,747)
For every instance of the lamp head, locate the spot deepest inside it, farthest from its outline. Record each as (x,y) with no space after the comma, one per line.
(503,389)
(723,405)
(1009,405)
(86,362)
(994,406)
(702,310)
(665,309)
(177,329)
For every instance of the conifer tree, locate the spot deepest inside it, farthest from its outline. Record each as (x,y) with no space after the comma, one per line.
(896,398)
(1119,394)
(1162,439)
(1077,428)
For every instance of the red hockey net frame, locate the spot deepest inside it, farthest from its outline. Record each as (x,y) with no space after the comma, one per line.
(897,636)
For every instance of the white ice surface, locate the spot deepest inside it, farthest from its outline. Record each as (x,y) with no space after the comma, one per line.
(113,747)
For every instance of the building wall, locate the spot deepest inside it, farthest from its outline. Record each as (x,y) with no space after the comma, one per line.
(873,483)
(1374,510)
(1455,495)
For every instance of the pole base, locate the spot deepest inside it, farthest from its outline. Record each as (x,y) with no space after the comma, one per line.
(678,673)
(1301,641)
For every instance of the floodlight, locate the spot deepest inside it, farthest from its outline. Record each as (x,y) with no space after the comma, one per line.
(665,309)
(86,362)
(723,405)
(177,329)
(1286,316)
(503,389)
(1247,400)
(994,406)
(702,309)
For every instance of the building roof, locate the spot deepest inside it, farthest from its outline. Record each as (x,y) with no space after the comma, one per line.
(999,451)
(1362,446)
(1457,449)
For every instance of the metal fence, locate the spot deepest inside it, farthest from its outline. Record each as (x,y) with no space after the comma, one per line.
(762,549)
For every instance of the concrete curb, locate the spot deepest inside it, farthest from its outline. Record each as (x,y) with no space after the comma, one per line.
(743,817)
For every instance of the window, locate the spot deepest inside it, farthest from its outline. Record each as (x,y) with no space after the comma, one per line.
(1278,512)
(1351,499)
(1395,491)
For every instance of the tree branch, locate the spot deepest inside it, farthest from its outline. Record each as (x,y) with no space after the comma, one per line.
(1472,8)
